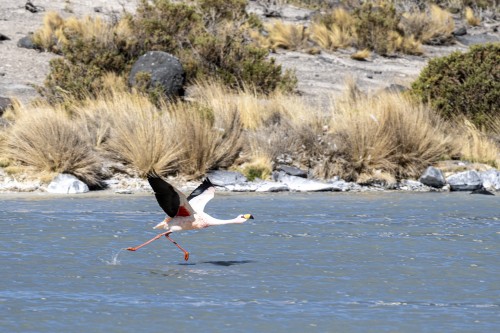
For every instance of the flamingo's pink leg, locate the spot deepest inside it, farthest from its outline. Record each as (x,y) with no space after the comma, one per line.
(186,253)
(149,241)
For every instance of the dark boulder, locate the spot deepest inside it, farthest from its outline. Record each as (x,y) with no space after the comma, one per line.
(29,6)
(165,71)
(5,103)
(27,43)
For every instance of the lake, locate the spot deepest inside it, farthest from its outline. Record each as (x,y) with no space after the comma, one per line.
(318,262)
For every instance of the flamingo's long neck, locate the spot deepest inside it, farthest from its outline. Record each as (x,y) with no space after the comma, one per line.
(213,221)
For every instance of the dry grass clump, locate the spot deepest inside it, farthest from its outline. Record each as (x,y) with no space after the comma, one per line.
(440,28)
(475,146)
(470,18)
(50,141)
(287,35)
(334,30)
(361,55)
(259,166)
(389,133)
(433,26)
(205,146)
(135,132)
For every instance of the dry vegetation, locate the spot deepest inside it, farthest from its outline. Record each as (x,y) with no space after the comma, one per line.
(388,136)
(379,26)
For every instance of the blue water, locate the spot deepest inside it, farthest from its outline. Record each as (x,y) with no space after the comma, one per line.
(323,262)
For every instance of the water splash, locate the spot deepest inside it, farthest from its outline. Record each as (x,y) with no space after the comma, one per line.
(114,259)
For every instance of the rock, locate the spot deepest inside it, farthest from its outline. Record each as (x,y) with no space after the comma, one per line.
(300,184)
(433,177)
(395,88)
(65,183)
(27,43)
(29,6)
(413,185)
(5,103)
(491,179)
(465,181)
(462,31)
(244,187)
(225,178)
(3,37)
(343,186)
(124,191)
(483,191)
(271,187)
(292,171)
(166,71)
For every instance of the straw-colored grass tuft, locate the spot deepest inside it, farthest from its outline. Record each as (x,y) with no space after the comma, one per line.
(390,133)
(361,55)
(287,35)
(475,145)
(49,141)
(470,18)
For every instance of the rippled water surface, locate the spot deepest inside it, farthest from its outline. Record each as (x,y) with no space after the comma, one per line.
(323,262)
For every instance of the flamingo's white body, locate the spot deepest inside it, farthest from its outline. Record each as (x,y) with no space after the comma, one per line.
(185,213)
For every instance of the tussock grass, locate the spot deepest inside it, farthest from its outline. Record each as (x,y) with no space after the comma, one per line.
(470,18)
(475,146)
(361,54)
(48,140)
(206,143)
(390,133)
(440,27)
(145,141)
(47,37)
(259,166)
(334,30)
(287,35)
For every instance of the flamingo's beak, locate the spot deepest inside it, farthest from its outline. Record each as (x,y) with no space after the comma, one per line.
(248,216)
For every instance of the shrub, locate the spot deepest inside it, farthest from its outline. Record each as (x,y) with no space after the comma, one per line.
(374,25)
(463,83)
(210,37)
(371,26)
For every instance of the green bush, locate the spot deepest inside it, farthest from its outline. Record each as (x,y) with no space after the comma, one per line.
(375,25)
(210,37)
(463,83)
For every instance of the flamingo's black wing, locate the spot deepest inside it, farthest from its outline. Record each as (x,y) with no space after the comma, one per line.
(200,189)
(166,194)
(201,195)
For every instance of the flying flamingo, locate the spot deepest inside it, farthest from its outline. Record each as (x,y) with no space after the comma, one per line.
(184,213)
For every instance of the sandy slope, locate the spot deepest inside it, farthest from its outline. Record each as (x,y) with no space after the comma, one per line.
(21,68)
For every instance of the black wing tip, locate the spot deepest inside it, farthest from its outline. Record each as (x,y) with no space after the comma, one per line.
(153,174)
(201,188)
(207,182)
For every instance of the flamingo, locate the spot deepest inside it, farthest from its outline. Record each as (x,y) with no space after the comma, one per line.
(184,213)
